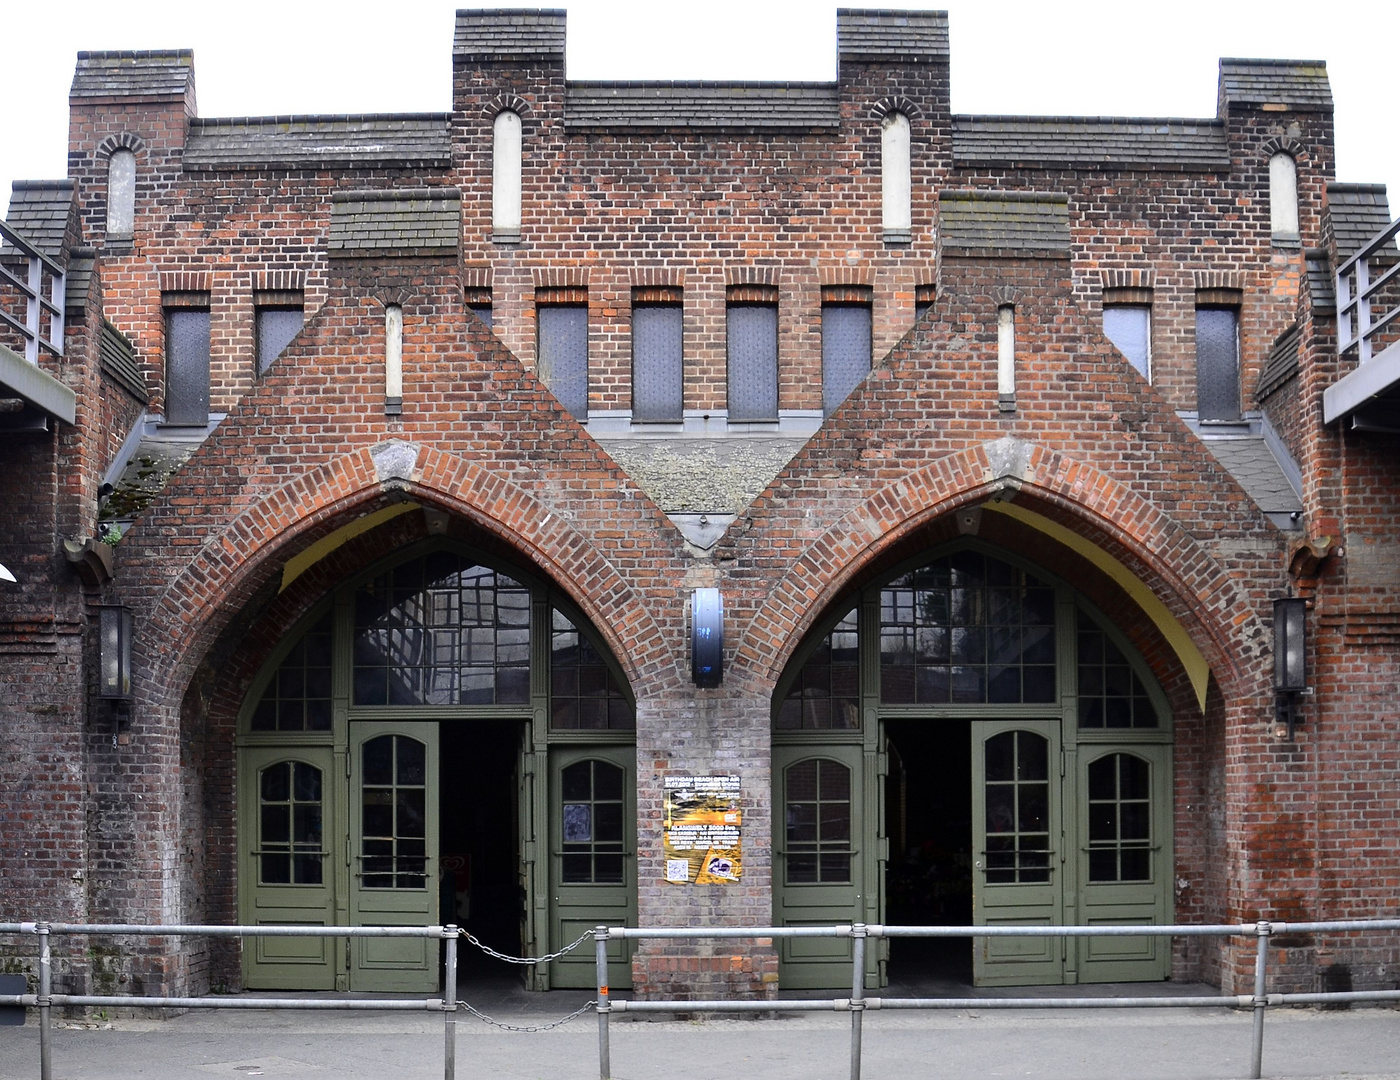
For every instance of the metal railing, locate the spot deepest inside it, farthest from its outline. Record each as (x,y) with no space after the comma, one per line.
(46,1000)
(37,305)
(859,1002)
(1357,323)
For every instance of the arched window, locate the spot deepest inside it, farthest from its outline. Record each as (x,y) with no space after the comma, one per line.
(121,193)
(505,177)
(896,185)
(1283,196)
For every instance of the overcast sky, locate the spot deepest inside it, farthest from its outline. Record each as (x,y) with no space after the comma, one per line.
(1060,58)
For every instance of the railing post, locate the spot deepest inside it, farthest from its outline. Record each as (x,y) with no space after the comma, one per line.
(45,1006)
(600,942)
(1262,930)
(34,314)
(858,939)
(1363,311)
(449,1004)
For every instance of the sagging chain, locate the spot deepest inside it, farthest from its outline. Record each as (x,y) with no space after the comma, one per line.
(531,1027)
(526,959)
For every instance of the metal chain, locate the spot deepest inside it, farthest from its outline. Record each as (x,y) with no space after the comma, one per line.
(526,959)
(530,1028)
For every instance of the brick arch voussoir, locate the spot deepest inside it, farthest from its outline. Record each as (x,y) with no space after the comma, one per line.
(236,560)
(1192,584)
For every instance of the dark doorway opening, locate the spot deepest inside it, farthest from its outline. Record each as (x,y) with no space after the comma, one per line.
(928,818)
(480,887)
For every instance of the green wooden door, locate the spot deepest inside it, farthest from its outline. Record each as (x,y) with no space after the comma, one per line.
(1125,866)
(593,837)
(393,853)
(288,878)
(1017,846)
(818,867)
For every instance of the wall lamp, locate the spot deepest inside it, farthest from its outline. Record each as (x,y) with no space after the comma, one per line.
(1290,663)
(706,638)
(114,653)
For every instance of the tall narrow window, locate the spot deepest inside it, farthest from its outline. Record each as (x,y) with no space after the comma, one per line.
(1283,197)
(657,355)
(478,302)
(751,332)
(846,345)
(393,359)
(505,177)
(1006,357)
(1127,322)
(592,823)
(923,300)
(562,344)
(277,318)
(1218,363)
(186,358)
(818,819)
(895,182)
(121,194)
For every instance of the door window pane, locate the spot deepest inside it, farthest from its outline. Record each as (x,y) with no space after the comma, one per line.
(1017,807)
(289,824)
(393,815)
(818,822)
(1120,819)
(592,823)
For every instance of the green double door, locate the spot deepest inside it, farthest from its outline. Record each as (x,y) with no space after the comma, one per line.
(356,845)
(1060,835)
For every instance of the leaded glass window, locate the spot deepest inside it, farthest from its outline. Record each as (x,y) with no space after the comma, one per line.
(442,631)
(290,824)
(1017,794)
(299,696)
(1110,693)
(584,695)
(592,823)
(818,817)
(826,692)
(1120,819)
(394,813)
(970,629)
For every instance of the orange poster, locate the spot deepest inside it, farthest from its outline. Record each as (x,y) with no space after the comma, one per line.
(701,830)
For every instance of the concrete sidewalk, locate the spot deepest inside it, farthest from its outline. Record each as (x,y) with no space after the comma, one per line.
(1146,1044)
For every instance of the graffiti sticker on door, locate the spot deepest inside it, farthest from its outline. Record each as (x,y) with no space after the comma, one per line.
(701,830)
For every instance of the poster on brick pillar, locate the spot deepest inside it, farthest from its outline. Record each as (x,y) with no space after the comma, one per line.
(701,830)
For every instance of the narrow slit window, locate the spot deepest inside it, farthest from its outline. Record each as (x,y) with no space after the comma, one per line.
(393,358)
(121,194)
(507,146)
(1006,356)
(1283,197)
(896,182)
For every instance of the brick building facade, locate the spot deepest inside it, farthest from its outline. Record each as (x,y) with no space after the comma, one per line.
(406,442)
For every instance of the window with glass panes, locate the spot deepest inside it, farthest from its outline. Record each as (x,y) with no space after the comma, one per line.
(592,822)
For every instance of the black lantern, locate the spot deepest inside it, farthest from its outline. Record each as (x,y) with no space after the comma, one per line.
(1290,662)
(114,653)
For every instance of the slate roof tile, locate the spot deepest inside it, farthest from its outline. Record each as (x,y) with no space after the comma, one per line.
(39,210)
(1301,85)
(887,35)
(507,33)
(708,105)
(403,222)
(1321,286)
(159,73)
(406,140)
(82,264)
(1006,220)
(119,360)
(1281,365)
(1107,142)
(1358,212)
(1250,461)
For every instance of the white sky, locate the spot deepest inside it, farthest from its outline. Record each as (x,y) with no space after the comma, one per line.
(1122,58)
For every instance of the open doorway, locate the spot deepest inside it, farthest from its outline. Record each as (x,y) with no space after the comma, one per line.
(478,809)
(928,818)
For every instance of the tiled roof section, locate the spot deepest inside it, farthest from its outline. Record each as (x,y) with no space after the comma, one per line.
(82,263)
(508,34)
(1358,212)
(1281,365)
(147,472)
(1321,287)
(1300,85)
(606,106)
(892,35)
(39,210)
(1250,461)
(165,73)
(1004,220)
(406,140)
(406,222)
(119,360)
(1107,142)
